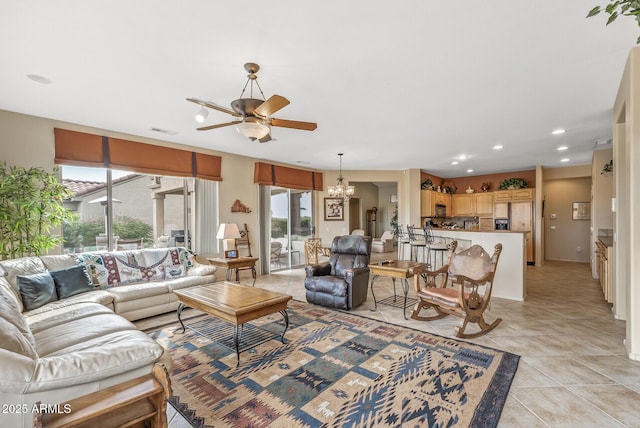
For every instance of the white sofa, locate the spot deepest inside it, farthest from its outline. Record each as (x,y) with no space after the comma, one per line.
(83,342)
(384,244)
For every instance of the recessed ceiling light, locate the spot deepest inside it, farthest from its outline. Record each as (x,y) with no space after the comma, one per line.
(565,160)
(39,79)
(558,131)
(455,163)
(462,157)
(562,148)
(498,147)
(469,170)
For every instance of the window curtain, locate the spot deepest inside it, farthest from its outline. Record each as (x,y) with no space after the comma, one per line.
(82,149)
(290,178)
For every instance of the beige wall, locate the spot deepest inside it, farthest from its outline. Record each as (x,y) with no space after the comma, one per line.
(566,239)
(626,161)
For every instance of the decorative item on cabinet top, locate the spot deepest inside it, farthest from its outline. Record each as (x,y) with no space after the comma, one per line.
(427,184)
(512,183)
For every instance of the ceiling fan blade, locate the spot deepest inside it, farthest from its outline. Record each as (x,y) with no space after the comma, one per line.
(266,138)
(283,123)
(272,105)
(219,125)
(213,106)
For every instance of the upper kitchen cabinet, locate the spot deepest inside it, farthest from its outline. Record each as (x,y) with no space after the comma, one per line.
(513,195)
(429,199)
(462,205)
(473,204)
(483,204)
(426,203)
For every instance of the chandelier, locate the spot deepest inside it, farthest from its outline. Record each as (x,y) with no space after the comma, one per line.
(341,190)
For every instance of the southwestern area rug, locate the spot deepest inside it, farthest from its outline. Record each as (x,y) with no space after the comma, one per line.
(337,369)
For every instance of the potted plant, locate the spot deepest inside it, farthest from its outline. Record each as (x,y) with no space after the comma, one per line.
(512,183)
(427,184)
(30,208)
(615,8)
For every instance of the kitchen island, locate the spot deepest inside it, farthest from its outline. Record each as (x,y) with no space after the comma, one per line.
(509,282)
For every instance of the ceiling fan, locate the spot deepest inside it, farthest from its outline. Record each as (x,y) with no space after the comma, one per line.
(252,117)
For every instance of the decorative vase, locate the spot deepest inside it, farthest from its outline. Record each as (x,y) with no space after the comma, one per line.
(469,190)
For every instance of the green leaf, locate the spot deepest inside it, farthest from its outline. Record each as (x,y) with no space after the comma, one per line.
(611,7)
(612,18)
(593,12)
(638,41)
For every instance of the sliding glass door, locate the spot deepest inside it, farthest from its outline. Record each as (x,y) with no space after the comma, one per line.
(289,215)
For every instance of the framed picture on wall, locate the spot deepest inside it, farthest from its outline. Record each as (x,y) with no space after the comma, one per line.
(581,211)
(333,209)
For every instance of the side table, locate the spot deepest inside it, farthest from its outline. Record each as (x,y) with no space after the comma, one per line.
(236,264)
(402,270)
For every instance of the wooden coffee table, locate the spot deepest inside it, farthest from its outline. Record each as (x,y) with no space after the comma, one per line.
(235,304)
(402,270)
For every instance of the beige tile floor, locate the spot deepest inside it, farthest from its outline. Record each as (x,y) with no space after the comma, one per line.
(574,371)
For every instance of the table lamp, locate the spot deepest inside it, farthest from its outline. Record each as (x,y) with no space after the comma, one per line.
(228,232)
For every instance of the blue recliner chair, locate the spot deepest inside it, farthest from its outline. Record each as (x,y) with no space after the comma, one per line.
(342,281)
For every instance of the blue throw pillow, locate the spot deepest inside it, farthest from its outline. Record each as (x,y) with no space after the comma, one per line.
(71,281)
(36,290)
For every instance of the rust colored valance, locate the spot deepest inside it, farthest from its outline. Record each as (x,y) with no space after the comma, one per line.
(290,178)
(77,148)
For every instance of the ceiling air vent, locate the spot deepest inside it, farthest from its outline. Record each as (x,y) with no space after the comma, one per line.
(164,131)
(602,143)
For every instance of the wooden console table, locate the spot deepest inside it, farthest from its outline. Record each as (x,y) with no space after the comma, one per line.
(236,264)
(137,402)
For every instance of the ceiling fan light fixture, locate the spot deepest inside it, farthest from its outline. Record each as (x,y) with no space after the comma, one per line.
(201,115)
(252,130)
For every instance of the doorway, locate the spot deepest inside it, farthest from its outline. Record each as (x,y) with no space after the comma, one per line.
(354,214)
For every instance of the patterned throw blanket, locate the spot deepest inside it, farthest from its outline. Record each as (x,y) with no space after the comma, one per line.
(337,369)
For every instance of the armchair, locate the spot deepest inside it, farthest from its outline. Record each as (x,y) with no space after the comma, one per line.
(342,281)
(469,270)
(383,244)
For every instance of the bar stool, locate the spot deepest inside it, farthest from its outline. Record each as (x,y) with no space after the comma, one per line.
(435,248)
(418,244)
(403,244)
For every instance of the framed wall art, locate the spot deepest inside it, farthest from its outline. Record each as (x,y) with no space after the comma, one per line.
(581,211)
(333,209)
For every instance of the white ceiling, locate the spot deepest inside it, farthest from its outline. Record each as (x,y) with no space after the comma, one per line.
(392,84)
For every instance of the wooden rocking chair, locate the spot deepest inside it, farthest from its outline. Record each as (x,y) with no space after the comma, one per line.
(468,270)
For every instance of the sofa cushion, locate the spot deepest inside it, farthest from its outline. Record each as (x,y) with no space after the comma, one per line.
(21,266)
(14,331)
(12,340)
(36,290)
(71,281)
(138,291)
(60,261)
(13,292)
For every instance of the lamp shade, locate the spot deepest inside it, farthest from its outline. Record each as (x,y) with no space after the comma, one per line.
(228,231)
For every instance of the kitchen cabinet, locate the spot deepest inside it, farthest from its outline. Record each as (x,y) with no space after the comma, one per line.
(429,199)
(473,204)
(501,210)
(483,203)
(513,195)
(522,221)
(427,203)
(605,269)
(463,205)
